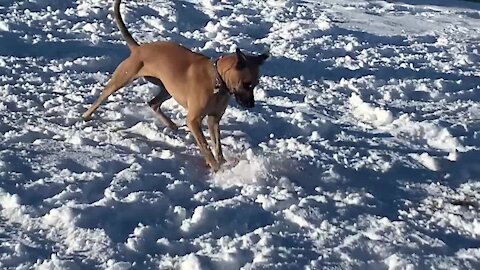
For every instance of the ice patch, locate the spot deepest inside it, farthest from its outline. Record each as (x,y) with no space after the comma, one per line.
(197,218)
(9,201)
(136,240)
(403,127)
(251,170)
(191,262)
(75,139)
(426,160)
(394,262)
(4,26)
(112,265)
(369,114)
(61,216)
(56,263)
(436,137)
(151,132)
(297,219)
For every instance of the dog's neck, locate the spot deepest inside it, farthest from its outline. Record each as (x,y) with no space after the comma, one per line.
(220,84)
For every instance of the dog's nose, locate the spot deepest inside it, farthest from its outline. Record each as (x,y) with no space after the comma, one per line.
(247,105)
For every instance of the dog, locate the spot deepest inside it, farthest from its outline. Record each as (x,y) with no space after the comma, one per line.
(199,84)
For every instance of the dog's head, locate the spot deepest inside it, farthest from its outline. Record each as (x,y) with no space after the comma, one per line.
(243,76)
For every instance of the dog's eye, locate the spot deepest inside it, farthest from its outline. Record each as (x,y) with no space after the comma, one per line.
(248,85)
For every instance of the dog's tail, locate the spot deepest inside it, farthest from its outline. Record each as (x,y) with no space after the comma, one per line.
(121,25)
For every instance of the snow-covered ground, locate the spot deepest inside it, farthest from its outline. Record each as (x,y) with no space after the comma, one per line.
(363,151)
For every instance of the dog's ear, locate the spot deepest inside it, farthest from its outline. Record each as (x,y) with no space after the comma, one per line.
(241,59)
(260,59)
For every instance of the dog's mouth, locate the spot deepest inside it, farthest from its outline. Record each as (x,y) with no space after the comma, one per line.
(245,103)
(248,106)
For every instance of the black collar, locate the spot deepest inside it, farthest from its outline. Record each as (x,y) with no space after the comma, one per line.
(220,85)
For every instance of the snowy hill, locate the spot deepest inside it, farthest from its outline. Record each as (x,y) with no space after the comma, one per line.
(363,151)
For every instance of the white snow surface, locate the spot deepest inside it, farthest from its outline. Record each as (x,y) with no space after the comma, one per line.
(363,150)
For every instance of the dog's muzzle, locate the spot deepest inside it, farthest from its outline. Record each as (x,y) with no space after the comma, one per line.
(245,102)
(245,97)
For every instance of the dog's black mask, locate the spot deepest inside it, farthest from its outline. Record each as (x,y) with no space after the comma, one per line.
(247,67)
(250,103)
(244,96)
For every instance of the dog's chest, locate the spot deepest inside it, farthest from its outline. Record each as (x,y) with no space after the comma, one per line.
(218,103)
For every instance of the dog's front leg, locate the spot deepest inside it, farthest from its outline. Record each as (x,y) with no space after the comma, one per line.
(194,124)
(214,128)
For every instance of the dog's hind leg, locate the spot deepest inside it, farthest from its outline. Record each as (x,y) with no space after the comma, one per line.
(157,101)
(126,72)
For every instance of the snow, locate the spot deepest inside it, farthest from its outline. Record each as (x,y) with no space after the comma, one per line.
(362,152)
(4,27)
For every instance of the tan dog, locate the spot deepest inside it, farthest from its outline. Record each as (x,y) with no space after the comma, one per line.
(200,85)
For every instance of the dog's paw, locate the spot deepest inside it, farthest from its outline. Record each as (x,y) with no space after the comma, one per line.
(222,161)
(214,166)
(173,126)
(86,118)
(226,166)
